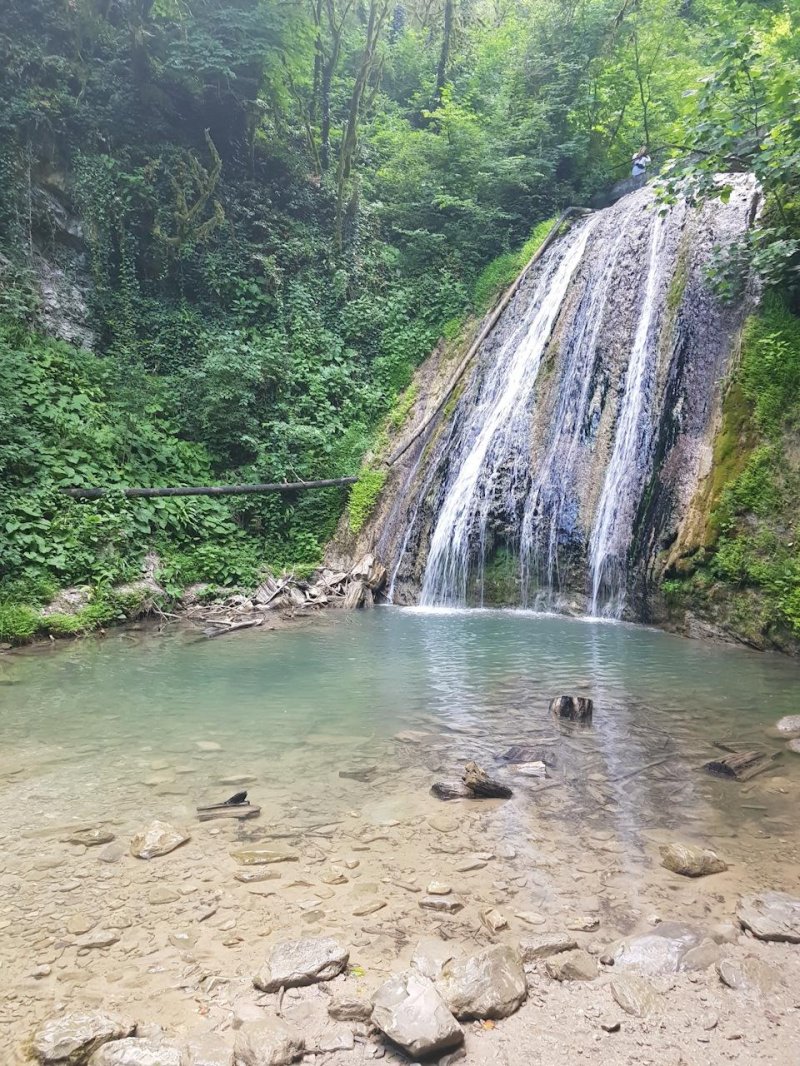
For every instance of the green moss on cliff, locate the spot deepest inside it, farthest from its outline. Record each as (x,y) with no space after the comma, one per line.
(750,580)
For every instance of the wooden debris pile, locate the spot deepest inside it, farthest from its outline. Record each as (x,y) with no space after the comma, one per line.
(327,588)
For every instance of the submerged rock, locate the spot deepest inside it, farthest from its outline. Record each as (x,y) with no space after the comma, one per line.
(268,1043)
(671,947)
(411,1012)
(90,838)
(302,962)
(690,860)
(73,1037)
(490,984)
(789,726)
(159,838)
(133,1052)
(771,916)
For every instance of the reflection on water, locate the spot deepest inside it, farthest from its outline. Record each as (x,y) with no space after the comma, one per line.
(306,701)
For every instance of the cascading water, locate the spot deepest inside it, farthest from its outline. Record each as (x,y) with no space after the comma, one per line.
(497,436)
(626,472)
(567,465)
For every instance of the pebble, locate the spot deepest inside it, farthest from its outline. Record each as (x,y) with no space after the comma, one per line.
(447,904)
(468,865)
(369,908)
(530,917)
(208,745)
(494,920)
(438,888)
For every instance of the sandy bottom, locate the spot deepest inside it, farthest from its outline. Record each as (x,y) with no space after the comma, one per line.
(187,936)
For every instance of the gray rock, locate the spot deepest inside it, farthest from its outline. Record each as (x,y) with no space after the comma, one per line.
(302,962)
(209,1049)
(344,1008)
(635,995)
(338,1040)
(73,1037)
(544,945)
(771,916)
(572,708)
(268,1043)
(572,966)
(159,838)
(445,904)
(133,1052)
(690,860)
(750,975)
(794,745)
(259,856)
(490,984)
(664,950)
(410,1011)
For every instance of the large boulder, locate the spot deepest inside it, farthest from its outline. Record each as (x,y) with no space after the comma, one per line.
(268,1043)
(410,1011)
(691,860)
(669,948)
(771,916)
(159,838)
(302,962)
(73,1037)
(490,984)
(133,1052)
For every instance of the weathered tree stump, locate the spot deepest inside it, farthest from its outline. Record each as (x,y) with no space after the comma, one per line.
(480,784)
(451,790)
(572,708)
(741,765)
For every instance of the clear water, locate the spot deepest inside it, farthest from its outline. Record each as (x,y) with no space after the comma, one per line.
(85,727)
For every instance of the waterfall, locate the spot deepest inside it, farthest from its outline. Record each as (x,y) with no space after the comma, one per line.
(563,470)
(610,537)
(497,436)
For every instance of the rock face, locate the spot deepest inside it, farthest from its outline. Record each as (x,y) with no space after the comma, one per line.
(132,1052)
(690,860)
(268,1043)
(572,966)
(671,947)
(490,984)
(73,1037)
(544,945)
(410,1011)
(573,708)
(771,916)
(302,962)
(159,838)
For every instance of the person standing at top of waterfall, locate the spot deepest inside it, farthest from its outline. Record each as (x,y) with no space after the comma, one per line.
(640,162)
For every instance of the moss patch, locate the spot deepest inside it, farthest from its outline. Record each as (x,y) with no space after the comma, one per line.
(363,497)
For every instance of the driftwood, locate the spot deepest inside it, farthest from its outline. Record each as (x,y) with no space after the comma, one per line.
(480,784)
(232,627)
(572,708)
(235,807)
(741,765)
(451,790)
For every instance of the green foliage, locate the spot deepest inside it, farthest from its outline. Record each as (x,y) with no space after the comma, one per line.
(18,623)
(364,495)
(503,270)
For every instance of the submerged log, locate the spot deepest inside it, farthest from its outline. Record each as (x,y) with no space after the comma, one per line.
(572,708)
(480,784)
(741,765)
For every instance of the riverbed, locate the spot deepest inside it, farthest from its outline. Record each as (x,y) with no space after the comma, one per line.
(139,725)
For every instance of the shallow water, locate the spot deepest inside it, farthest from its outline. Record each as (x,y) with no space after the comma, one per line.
(139,725)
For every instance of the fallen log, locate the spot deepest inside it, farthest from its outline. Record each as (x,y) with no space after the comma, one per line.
(741,765)
(572,708)
(248,624)
(211,490)
(451,790)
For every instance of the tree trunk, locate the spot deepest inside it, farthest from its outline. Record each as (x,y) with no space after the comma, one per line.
(444,55)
